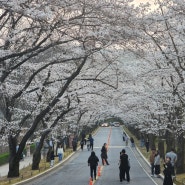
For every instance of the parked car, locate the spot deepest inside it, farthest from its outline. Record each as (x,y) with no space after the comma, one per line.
(116,124)
(111,124)
(104,124)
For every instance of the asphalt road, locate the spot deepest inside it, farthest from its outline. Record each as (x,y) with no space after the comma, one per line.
(76,171)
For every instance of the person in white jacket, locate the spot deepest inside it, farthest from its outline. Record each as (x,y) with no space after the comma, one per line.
(60,153)
(157,164)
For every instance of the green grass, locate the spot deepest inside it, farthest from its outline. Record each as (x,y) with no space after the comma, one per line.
(4,158)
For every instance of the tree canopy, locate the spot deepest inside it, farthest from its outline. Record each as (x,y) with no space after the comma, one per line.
(66,62)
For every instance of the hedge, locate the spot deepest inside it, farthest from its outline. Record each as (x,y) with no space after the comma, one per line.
(4,158)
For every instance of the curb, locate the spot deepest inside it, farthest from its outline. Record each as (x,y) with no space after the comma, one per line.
(162,176)
(144,158)
(47,171)
(51,169)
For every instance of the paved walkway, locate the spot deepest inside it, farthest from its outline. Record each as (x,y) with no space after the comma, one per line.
(23,163)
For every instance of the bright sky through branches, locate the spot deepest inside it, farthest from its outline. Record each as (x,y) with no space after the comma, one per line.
(143,1)
(137,2)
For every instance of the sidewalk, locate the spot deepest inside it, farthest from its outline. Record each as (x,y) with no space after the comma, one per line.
(23,163)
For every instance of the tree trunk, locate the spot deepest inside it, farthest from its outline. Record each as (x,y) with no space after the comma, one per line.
(13,167)
(170,141)
(151,141)
(14,157)
(36,160)
(161,148)
(180,155)
(48,154)
(37,153)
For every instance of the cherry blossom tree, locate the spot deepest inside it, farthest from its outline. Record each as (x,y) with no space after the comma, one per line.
(44,47)
(159,40)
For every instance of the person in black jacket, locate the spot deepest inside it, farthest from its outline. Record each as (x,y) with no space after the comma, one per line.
(168,172)
(91,142)
(93,163)
(104,154)
(52,158)
(132,142)
(124,166)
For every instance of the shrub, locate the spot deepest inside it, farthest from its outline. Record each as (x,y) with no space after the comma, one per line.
(4,158)
(32,148)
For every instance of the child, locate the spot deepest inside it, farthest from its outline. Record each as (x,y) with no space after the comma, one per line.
(60,152)
(52,158)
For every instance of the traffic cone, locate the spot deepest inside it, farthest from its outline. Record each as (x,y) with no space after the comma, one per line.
(90,181)
(99,170)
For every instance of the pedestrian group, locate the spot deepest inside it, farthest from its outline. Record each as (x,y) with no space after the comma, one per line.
(124,161)
(169,165)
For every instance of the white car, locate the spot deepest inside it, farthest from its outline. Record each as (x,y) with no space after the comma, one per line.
(104,124)
(116,124)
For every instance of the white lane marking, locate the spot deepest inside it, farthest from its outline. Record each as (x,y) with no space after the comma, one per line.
(111,146)
(142,166)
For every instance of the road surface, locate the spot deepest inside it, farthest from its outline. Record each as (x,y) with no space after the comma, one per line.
(76,171)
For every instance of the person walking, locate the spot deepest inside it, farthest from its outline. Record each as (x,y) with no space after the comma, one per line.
(142,141)
(132,142)
(83,137)
(93,163)
(152,157)
(147,144)
(52,158)
(124,134)
(124,166)
(167,172)
(60,152)
(82,144)
(88,144)
(173,156)
(121,175)
(91,139)
(104,154)
(157,164)
(22,154)
(74,144)
(126,140)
